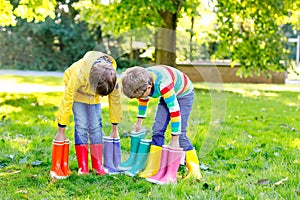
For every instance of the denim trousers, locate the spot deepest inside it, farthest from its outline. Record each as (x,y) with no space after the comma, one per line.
(162,120)
(88,123)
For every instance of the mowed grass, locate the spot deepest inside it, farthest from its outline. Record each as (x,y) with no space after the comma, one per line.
(246,135)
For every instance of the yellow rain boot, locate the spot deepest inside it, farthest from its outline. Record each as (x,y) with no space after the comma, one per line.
(192,164)
(153,162)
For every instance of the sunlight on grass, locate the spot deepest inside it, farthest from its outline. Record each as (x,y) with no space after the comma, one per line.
(6,109)
(12,86)
(43,80)
(28,84)
(296,143)
(243,88)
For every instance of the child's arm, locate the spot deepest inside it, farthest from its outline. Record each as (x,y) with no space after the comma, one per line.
(114,101)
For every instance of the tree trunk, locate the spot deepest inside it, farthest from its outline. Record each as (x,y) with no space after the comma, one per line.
(165,40)
(191,38)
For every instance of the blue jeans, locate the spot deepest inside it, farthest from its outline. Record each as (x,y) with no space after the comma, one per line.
(88,123)
(162,120)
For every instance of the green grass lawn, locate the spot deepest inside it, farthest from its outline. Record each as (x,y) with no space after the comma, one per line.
(246,135)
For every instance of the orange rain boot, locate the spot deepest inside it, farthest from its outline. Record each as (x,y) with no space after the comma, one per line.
(65,158)
(57,151)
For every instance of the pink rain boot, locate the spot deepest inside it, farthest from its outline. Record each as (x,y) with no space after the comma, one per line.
(163,166)
(174,158)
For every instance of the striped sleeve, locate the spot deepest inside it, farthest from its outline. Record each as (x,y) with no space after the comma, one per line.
(170,98)
(142,106)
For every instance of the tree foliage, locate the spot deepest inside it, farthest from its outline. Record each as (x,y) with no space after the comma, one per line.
(250,33)
(121,16)
(51,45)
(31,10)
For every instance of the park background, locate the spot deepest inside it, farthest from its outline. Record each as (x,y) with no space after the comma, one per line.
(254,149)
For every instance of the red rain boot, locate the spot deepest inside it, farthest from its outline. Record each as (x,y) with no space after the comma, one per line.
(96,155)
(82,158)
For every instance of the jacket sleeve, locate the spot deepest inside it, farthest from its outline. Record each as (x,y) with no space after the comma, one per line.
(142,107)
(114,102)
(170,98)
(65,108)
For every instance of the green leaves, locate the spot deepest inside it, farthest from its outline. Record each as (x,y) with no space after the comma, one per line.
(32,10)
(250,34)
(7,16)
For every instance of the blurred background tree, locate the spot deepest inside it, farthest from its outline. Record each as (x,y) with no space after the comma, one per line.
(51,34)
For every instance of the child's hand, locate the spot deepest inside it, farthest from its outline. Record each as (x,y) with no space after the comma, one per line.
(60,136)
(175,142)
(114,132)
(138,125)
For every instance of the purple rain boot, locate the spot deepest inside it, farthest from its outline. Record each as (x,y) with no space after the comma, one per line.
(109,155)
(117,157)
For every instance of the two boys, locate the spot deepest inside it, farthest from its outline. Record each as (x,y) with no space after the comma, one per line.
(94,76)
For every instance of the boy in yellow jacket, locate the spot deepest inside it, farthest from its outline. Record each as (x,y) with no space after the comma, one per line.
(86,81)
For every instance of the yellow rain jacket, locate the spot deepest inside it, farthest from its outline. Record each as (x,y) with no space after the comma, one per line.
(77,88)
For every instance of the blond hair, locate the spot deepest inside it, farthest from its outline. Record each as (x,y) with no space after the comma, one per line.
(103,78)
(135,81)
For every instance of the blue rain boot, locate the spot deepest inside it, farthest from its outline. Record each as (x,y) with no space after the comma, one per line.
(141,158)
(135,139)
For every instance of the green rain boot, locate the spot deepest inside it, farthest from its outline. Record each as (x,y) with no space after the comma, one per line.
(141,158)
(134,145)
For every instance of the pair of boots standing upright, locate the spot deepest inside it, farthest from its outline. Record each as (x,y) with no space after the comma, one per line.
(139,151)
(60,159)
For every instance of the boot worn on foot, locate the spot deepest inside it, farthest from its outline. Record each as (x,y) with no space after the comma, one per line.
(82,158)
(192,164)
(96,155)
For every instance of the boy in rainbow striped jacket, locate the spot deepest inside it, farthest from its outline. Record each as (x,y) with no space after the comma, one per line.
(176,94)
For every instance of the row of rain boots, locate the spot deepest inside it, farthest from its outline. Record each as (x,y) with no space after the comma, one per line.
(163,163)
(60,157)
(158,164)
